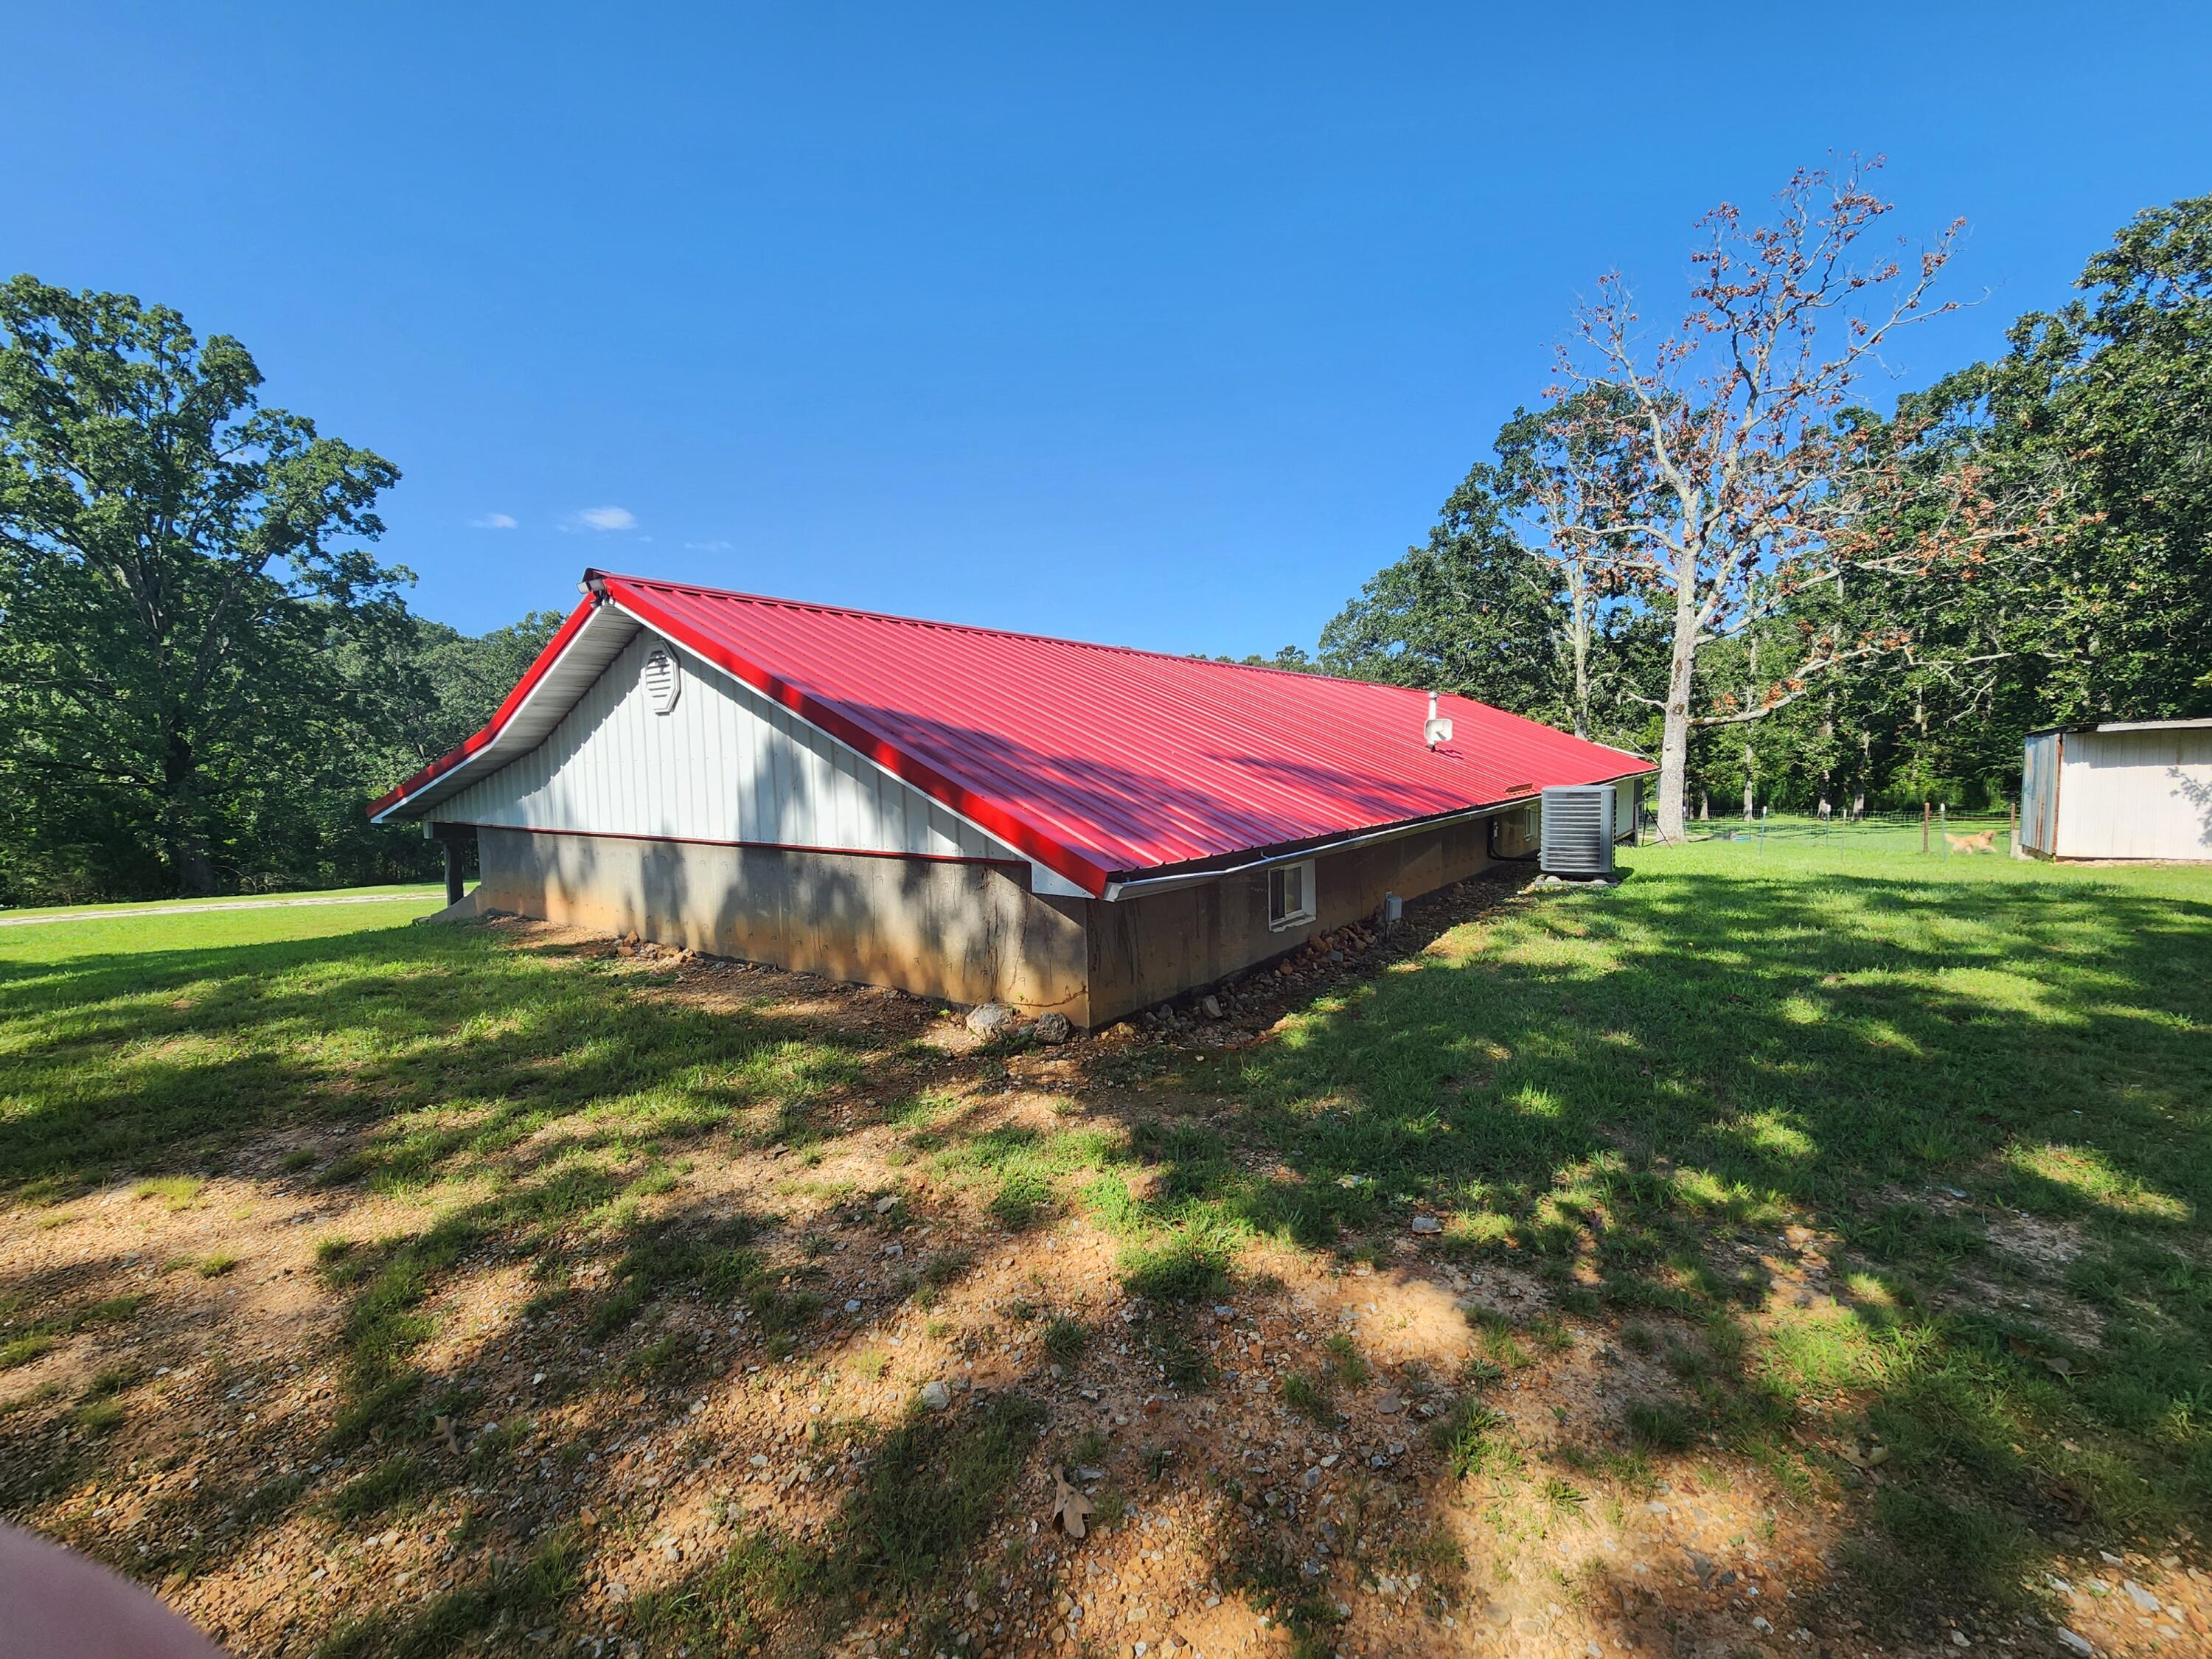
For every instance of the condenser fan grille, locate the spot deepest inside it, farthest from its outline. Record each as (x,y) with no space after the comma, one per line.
(1578,832)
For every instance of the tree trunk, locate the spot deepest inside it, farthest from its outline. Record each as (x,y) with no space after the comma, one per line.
(1828,756)
(1578,597)
(1675,738)
(1750,759)
(191,871)
(1750,767)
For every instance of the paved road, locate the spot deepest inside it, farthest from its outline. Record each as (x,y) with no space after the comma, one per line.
(225,904)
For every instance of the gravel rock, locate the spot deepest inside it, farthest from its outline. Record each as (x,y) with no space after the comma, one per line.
(1051,1027)
(936,1395)
(991,1018)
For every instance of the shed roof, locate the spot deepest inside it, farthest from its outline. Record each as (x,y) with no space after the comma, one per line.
(1100,762)
(2126,726)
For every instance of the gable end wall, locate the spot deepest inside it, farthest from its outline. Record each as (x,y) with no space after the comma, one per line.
(725,764)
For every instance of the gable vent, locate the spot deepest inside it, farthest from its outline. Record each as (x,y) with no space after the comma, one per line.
(663,680)
(1577,833)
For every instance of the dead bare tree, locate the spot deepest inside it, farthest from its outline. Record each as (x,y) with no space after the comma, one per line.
(1739,491)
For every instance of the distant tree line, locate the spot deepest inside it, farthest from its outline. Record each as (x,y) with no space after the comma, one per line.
(1721,548)
(204,674)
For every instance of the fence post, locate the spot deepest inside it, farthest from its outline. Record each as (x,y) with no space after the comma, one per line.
(2012,828)
(1943,815)
(1926,811)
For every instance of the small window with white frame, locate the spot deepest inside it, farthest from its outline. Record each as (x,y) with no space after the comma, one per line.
(1290,895)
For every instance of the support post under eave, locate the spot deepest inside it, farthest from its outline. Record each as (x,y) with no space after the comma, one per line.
(449,838)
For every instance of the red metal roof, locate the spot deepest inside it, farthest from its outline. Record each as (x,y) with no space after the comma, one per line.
(1101,762)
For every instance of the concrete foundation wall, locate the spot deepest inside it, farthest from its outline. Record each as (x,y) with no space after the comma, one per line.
(967,932)
(1144,950)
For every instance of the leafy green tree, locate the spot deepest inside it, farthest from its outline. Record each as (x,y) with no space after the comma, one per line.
(456,681)
(1291,659)
(1498,607)
(181,575)
(2113,394)
(1473,612)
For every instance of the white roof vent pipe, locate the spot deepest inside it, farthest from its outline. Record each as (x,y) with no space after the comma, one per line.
(1435,731)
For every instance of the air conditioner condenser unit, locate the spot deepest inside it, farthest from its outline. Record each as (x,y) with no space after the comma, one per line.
(1577,837)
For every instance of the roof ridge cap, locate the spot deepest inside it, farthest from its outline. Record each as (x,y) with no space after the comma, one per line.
(978,628)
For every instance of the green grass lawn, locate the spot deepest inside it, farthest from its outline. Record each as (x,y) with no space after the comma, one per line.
(1894,1168)
(1984,1086)
(411,890)
(177,1042)
(66,950)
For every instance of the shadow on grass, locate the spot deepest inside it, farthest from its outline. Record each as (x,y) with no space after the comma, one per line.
(1633,1093)
(1630,1096)
(436,1047)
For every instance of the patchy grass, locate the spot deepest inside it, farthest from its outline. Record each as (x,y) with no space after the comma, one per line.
(1309,1396)
(1644,1090)
(1344,1360)
(1881,1185)
(177,1192)
(28,1331)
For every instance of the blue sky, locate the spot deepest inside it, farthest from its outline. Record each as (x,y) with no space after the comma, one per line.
(1166,326)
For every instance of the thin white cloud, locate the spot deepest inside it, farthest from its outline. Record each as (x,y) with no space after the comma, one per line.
(607,517)
(711,547)
(495,521)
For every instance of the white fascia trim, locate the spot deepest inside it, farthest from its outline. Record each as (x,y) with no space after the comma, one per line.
(1045,879)
(1139,886)
(1142,885)
(493,746)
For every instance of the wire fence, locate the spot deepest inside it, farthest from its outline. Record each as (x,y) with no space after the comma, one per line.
(1940,832)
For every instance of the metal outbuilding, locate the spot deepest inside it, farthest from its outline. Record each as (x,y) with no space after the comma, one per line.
(964,813)
(2127,789)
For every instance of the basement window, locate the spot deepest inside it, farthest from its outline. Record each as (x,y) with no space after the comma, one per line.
(1290,895)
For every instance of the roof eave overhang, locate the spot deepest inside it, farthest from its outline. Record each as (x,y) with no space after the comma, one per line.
(591,638)
(1139,884)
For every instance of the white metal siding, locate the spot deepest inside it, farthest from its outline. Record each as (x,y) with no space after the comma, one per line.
(1631,791)
(2137,795)
(726,765)
(2039,794)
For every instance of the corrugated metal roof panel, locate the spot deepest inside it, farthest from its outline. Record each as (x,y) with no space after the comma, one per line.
(1102,760)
